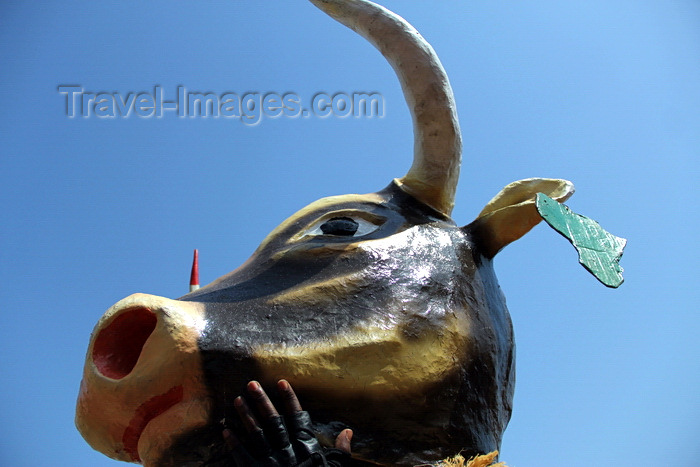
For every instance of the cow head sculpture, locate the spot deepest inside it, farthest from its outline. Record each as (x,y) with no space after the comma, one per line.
(382,312)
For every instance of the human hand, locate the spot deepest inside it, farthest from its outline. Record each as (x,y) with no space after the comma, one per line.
(274,441)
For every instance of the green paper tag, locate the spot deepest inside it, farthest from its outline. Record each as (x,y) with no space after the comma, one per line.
(599,251)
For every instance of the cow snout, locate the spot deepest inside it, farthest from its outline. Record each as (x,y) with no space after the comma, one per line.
(142,383)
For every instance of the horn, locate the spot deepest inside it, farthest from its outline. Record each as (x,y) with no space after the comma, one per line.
(437,140)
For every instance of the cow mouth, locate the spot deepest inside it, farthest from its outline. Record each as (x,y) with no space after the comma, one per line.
(144,414)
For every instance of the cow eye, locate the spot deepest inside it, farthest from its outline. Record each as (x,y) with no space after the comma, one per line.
(348,226)
(342,226)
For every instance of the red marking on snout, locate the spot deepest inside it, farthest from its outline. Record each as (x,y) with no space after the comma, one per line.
(145,413)
(118,346)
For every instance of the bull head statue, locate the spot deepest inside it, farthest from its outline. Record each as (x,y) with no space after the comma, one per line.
(377,301)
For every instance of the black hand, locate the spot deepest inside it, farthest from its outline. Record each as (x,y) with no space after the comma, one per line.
(277,443)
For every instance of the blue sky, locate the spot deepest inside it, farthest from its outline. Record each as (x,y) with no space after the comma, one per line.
(603,93)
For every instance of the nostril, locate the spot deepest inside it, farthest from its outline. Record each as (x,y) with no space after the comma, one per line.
(118,346)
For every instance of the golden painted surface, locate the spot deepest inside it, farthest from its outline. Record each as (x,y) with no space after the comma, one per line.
(372,360)
(512,212)
(322,291)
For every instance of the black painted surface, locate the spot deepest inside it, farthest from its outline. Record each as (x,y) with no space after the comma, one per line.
(433,272)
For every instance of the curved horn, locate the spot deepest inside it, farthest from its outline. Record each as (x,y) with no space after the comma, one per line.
(438,143)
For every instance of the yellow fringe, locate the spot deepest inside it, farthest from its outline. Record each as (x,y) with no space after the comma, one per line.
(478,461)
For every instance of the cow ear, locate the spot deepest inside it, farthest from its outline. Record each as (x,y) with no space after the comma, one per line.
(512,212)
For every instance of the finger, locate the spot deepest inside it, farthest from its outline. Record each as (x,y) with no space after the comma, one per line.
(291,403)
(278,438)
(342,442)
(262,402)
(246,415)
(301,431)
